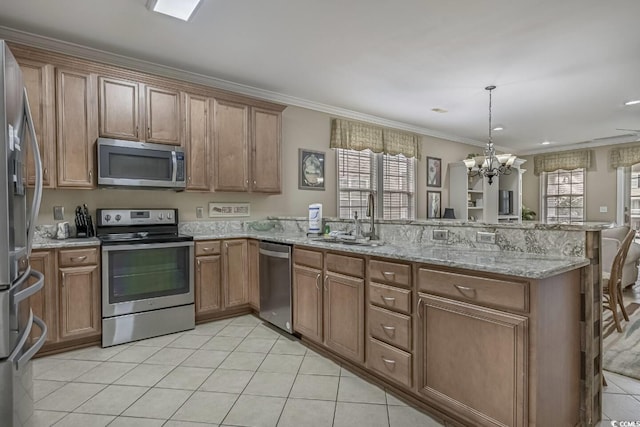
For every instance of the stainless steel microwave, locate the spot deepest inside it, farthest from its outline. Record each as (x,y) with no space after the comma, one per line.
(140,164)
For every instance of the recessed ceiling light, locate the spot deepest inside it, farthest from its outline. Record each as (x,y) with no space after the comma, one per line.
(439,110)
(634,102)
(498,128)
(546,143)
(181,9)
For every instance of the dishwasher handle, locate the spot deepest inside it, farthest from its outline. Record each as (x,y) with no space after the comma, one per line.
(285,255)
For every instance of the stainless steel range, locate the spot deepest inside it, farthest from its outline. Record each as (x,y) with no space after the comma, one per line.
(147,274)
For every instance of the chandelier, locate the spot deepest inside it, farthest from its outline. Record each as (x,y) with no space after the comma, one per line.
(491,164)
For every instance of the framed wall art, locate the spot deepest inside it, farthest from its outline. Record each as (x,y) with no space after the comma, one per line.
(310,169)
(434,172)
(433,204)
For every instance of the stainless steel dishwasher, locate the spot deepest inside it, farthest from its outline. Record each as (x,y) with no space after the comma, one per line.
(275,284)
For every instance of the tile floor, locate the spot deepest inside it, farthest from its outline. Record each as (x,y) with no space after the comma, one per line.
(234,372)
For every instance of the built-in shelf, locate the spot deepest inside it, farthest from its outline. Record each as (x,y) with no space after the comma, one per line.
(475,207)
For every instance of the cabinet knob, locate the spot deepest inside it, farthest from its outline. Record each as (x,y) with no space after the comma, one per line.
(254,182)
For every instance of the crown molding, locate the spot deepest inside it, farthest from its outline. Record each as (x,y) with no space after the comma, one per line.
(600,142)
(68,48)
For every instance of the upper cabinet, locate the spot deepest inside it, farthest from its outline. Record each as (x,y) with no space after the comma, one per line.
(120,115)
(197,141)
(265,150)
(231,141)
(77,127)
(39,80)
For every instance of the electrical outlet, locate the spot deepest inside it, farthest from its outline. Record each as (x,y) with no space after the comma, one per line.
(440,234)
(58,213)
(603,209)
(484,237)
(199,212)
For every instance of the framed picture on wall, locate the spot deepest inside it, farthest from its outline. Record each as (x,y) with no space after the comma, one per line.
(434,172)
(433,204)
(310,169)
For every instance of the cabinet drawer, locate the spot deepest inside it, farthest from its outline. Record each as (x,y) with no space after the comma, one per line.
(398,274)
(345,264)
(207,248)
(390,327)
(75,257)
(390,362)
(390,297)
(492,292)
(309,258)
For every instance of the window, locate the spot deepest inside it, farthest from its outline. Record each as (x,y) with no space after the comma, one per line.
(564,196)
(390,178)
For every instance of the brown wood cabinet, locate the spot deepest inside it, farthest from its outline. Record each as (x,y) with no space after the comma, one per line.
(307,302)
(235,283)
(265,150)
(122,109)
(39,79)
(344,315)
(77,128)
(207,284)
(254,274)
(44,303)
(471,359)
(197,141)
(231,142)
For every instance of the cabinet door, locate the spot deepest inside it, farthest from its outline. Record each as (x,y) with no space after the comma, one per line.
(254,274)
(119,109)
(208,284)
(39,81)
(307,302)
(197,142)
(79,295)
(231,138)
(43,303)
(162,108)
(235,281)
(265,151)
(77,128)
(344,315)
(472,360)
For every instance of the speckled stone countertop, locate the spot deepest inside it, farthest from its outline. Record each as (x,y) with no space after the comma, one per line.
(48,243)
(526,265)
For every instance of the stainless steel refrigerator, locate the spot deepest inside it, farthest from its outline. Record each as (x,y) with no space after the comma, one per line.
(17,224)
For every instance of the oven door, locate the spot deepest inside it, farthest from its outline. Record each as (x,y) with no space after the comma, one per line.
(144,277)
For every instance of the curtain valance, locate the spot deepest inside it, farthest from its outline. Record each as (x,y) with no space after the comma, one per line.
(361,136)
(624,156)
(567,160)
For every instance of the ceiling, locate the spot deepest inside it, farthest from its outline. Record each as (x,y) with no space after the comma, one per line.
(563,69)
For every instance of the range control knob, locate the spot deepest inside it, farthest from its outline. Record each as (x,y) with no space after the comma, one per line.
(160,216)
(107,218)
(118,217)
(169,215)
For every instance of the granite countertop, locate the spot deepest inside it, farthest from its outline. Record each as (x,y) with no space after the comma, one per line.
(40,242)
(526,265)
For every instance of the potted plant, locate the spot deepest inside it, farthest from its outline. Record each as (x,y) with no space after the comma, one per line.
(528,214)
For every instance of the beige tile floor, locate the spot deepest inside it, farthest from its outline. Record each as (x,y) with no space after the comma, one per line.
(234,372)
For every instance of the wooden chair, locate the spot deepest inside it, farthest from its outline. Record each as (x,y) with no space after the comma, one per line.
(612,287)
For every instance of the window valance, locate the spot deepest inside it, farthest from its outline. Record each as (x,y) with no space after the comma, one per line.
(624,156)
(361,136)
(566,160)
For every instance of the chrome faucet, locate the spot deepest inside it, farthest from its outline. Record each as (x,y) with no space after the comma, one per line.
(371,213)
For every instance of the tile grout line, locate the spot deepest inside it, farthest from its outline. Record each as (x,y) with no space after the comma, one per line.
(292,384)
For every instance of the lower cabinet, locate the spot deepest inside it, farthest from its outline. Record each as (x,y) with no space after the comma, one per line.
(307,302)
(344,315)
(70,301)
(222,276)
(471,359)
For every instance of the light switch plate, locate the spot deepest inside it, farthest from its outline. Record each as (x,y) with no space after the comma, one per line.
(484,237)
(603,209)
(440,234)
(199,212)
(58,213)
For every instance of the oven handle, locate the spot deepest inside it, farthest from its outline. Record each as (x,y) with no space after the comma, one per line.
(147,246)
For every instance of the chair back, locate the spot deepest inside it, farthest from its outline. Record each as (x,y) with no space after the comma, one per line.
(618,260)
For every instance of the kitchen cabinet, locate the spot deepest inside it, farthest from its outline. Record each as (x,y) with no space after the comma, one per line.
(39,80)
(254,274)
(235,283)
(307,302)
(231,141)
(79,294)
(77,130)
(44,303)
(464,352)
(121,115)
(207,284)
(197,141)
(265,150)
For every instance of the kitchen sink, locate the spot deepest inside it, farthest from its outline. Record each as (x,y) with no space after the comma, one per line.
(349,242)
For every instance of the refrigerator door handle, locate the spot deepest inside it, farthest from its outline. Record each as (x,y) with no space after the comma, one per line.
(15,356)
(37,195)
(26,293)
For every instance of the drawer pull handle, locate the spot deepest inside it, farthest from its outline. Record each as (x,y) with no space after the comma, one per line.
(389,330)
(389,362)
(78,258)
(391,300)
(207,249)
(389,274)
(465,290)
